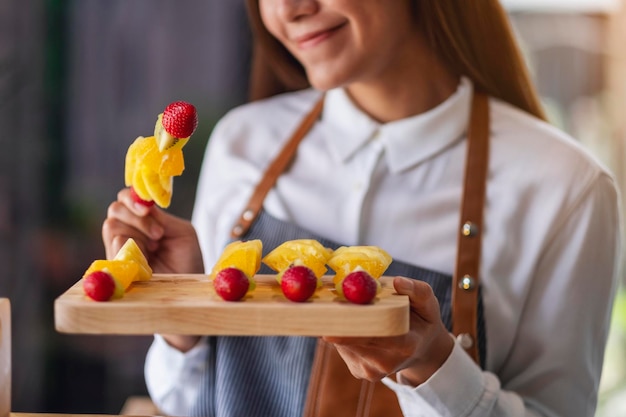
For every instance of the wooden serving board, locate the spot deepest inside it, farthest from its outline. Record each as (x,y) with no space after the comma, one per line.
(188,304)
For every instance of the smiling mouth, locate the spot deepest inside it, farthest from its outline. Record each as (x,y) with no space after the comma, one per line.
(314,38)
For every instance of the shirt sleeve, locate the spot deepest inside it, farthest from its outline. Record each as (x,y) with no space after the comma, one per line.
(555,366)
(458,388)
(173,377)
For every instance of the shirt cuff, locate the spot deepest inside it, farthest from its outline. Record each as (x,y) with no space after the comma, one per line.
(455,389)
(165,370)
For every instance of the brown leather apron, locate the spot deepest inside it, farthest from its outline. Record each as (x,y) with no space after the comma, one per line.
(332,389)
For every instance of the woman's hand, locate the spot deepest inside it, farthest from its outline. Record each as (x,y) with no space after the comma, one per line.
(169,243)
(416,355)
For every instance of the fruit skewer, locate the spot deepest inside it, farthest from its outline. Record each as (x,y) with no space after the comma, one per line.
(357,270)
(153,161)
(233,273)
(106,280)
(300,265)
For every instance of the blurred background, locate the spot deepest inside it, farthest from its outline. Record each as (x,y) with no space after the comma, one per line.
(79,80)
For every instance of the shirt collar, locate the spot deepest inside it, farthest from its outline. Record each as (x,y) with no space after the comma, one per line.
(407,142)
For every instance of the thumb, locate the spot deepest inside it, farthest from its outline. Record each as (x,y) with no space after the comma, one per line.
(165,219)
(404,286)
(172,226)
(421,297)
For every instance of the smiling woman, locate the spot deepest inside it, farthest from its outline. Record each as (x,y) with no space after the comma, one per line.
(412,126)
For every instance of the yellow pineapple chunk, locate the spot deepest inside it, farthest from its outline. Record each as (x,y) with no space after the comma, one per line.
(131,252)
(150,171)
(159,188)
(172,163)
(139,185)
(135,154)
(371,259)
(307,252)
(243,255)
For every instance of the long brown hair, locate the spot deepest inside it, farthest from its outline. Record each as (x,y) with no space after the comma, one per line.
(473,37)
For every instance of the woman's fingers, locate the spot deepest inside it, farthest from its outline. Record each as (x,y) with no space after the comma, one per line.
(146,224)
(125,196)
(115,233)
(138,215)
(128,219)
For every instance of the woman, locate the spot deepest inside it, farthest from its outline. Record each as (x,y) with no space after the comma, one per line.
(383,164)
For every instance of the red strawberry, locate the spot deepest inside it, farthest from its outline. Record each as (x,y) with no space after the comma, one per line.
(231,284)
(140,200)
(180,119)
(298,283)
(99,286)
(359,287)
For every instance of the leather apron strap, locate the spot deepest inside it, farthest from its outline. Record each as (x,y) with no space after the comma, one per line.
(466,274)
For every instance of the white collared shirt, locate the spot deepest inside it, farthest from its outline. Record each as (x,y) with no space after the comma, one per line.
(550,248)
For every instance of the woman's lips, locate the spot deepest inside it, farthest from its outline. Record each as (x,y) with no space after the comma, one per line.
(312,39)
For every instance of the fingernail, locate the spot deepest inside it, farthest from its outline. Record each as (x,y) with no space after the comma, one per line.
(140,208)
(156,231)
(403,285)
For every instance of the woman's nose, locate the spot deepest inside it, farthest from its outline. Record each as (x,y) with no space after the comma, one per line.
(291,10)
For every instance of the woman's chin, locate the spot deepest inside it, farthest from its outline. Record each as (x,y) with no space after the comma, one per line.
(325,81)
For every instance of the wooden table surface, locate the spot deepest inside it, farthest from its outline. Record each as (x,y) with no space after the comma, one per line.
(188,304)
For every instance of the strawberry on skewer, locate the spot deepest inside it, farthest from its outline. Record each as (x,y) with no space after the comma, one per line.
(177,123)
